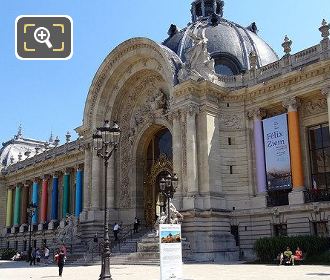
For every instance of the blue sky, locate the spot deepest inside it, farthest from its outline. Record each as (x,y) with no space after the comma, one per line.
(49,96)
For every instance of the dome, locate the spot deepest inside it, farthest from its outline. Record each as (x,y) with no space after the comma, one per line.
(18,149)
(229,44)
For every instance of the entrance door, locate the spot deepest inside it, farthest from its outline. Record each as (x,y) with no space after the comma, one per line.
(159,164)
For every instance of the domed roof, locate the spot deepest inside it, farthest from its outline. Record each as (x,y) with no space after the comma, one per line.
(18,149)
(229,43)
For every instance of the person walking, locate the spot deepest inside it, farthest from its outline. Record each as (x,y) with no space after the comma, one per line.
(60,259)
(38,256)
(33,256)
(46,255)
(116,229)
(136,225)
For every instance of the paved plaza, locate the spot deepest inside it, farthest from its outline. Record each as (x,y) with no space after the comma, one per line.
(21,271)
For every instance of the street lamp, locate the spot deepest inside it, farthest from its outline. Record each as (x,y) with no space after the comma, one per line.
(105,142)
(168,186)
(30,210)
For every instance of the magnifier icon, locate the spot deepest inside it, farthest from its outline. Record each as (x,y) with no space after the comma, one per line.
(42,35)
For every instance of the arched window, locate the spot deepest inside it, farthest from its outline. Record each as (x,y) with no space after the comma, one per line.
(226,65)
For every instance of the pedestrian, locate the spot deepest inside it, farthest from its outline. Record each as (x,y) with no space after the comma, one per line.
(46,255)
(63,248)
(136,225)
(33,256)
(60,259)
(38,256)
(116,229)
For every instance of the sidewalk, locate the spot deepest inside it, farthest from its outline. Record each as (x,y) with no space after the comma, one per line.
(22,271)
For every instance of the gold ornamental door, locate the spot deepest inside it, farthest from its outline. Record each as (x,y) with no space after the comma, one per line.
(159,168)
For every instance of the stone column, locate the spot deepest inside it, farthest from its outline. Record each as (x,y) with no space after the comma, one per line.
(54,210)
(87,178)
(111,182)
(66,194)
(79,190)
(25,202)
(191,146)
(297,174)
(326,92)
(44,200)
(177,150)
(257,116)
(17,207)
(291,104)
(35,190)
(9,212)
(96,182)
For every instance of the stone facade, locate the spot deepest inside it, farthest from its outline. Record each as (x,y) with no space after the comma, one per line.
(213,119)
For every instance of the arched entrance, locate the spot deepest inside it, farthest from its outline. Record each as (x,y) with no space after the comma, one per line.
(158,162)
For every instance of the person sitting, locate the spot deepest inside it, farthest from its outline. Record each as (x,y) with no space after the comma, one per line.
(287,257)
(298,255)
(16,257)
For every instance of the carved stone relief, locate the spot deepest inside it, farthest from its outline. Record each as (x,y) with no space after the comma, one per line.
(315,106)
(135,111)
(230,121)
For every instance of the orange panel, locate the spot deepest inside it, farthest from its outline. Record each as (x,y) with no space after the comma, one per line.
(295,150)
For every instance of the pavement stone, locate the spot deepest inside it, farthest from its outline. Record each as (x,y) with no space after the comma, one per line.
(22,271)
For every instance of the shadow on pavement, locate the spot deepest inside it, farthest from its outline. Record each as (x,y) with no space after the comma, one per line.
(319,274)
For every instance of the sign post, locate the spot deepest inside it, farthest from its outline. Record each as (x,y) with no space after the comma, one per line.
(170,251)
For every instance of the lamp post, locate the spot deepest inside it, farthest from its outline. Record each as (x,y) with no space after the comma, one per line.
(168,186)
(30,210)
(105,142)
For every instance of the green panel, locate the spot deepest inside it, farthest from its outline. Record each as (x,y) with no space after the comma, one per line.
(17,209)
(9,208)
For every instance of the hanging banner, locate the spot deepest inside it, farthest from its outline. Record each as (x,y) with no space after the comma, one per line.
(277,153)
(170,251)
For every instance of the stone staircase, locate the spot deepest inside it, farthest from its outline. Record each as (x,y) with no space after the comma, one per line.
(140,248)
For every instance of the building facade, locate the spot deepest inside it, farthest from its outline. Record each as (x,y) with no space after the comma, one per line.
(214,104)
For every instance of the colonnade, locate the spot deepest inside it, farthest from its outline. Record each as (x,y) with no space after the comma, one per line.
(46,194)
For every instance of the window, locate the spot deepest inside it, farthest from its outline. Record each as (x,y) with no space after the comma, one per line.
(235,232)
(199,10)
(24,245)
(319,151)
(320,229)
(209,7)
(226,65)
(280,230)
(16,245)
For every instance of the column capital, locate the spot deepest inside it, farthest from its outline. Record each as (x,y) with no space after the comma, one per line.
(46,177)
(175,114)
(28,183)
(67,170)
(36,179)
(291,104)
(326,91)
(191,109)
(258,113)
